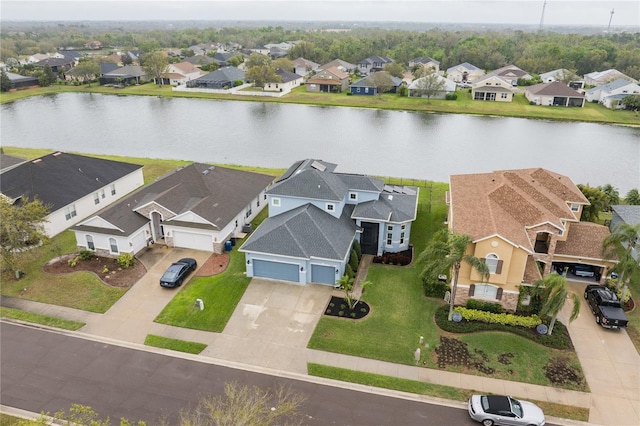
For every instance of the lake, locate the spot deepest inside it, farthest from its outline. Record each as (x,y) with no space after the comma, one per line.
(383,143)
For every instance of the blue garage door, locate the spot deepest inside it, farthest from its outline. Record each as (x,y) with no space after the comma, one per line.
(323,274)
(276,270)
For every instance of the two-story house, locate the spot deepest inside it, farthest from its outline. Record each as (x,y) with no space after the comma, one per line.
(315,214)
(464,72)
(524,224)
(492,88)
(373,64)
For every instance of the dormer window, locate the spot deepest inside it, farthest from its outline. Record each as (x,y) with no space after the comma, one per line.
(331,207)
(575,207)
(353,196)
(275,202)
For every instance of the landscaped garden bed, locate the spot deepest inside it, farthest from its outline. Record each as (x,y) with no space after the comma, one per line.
(106,268)
(338,307)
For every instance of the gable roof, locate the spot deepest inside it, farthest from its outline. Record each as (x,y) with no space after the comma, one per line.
(127,71)
(465,65)
(107,67)
(199,60)
(223,75)
(391,206)
(583,240)
(338,63)
(287,76)
(186,67)
(304,232)
(555,88)
(366,81)
(376,60)
(614,85)
(449,85)
(60,178)
(507,202)
(424,60)
(302,62)
(629,214)
(216,194)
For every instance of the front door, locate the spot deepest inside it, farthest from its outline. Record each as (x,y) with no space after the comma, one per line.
(156,227)
(369,238)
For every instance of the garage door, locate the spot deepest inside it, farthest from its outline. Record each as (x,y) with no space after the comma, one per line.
(192,241)
(276,270)
(323,274)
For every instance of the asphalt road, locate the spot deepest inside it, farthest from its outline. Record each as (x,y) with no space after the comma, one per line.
(44,371)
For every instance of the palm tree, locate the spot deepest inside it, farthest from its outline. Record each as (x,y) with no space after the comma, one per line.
(554,295)
(621,244)
(446,251)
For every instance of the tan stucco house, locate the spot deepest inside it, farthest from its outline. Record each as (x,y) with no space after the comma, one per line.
(524,224)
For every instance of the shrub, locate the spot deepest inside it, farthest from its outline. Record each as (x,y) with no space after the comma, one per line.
(73,262)
(353,260)
(612,284)
(85,254)
(358,248)
(125,260)
(377,259)
(504,319)
(349,272)
(479,305)
(105,270)
(451,96)
(434,288)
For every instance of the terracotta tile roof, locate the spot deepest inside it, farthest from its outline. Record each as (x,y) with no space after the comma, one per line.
(583,240)
(507,202)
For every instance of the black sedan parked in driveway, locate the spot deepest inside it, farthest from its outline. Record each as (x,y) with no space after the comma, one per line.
(177,272)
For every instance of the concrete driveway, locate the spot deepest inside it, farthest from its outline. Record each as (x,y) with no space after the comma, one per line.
(131,317)
(610,363)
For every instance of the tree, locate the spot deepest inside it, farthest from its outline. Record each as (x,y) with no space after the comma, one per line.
(621,244)
(126,59)
(87,70)
(567,76)
(612,195)
(46,77)
(346,284)
(283,64)
(155,65)
(598,202)
(381,81)
(633,197)
(256,60)
(554,292)
(236,60)
(429,86)
(5,83)
(447,251)
(262,74)
(245,405)
(21,226)
(631,102)
(395,69)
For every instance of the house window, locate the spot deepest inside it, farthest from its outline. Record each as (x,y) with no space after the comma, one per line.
(389,227)
(402,227)
(389,239)
(113,245)
(492,262)
(504,95)
(258,202)
(96,198)
(102,193)
(275,202)
(70,212)
(353,196)
(331,207)
(90,244)
(113,189)
(402,238)
(575,207)
(564,225)
(248,213)
(366,90)
(486,291)
(265,195)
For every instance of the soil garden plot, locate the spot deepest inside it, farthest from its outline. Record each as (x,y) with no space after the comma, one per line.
(338,307)
(106,268)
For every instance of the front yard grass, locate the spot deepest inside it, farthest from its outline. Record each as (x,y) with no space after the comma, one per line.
(40,319)
(174,344)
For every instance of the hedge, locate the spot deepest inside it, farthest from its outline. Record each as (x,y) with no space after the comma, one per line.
(506,319)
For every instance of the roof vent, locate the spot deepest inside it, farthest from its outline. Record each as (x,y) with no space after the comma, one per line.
(318,166)
(37,160)
(206,172)
(55,154)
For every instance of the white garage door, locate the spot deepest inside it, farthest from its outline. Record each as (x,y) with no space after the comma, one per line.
(192,241)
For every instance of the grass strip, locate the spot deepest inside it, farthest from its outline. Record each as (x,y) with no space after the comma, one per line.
(40,319)
(429,389)
(174,344)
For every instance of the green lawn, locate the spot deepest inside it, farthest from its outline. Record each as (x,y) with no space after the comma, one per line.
(463,105)
(40,319)
(174,344)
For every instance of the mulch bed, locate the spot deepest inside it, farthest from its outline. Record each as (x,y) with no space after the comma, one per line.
(113,275)
(338,307)
(215,264)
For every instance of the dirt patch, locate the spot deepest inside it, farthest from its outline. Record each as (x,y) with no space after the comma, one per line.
(454,352)
(560,373)
(215,264)
(106,268)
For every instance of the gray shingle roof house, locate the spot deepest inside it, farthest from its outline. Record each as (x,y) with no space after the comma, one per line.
(367,86)
(629,215)
(74,186)
(315,214)
(219,79)
(130,74)
(554,94)
(197,206)
(373,64)
(22,82)
(611,94)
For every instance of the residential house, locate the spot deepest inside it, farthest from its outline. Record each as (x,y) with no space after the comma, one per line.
(199,60)
(135,55)
(71,55)
(223,78)
(263,50)
(492,88)
(288,81)
(554,94)
(629,215)
(182,72)
(22,82)
(611,94)
(93,45)
(524,224)
(315,214)
(59,66)
(373,64)
(277,52)
(340,64)
(464,73)
(35,58)
(107,67)
(198,206)
(369,85)
(328,80)
(73,186)
(426,63)
(302,66)
(416,90)
(511,73)
(222,58)
(129,74)
(559,75)
(599,78)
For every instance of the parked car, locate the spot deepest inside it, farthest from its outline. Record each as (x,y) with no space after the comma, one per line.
(606,306)
(504,410)
(177,272)
(583,271)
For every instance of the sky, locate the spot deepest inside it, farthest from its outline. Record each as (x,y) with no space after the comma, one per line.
(529,12)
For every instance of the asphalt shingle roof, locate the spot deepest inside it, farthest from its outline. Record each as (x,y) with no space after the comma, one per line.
(630,214)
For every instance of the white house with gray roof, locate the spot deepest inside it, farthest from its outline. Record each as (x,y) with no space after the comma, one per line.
(315,214)
(198,206)
(464,72)
(611,94)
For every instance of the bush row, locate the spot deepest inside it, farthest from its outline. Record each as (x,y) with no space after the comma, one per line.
(503,318)
(479,305)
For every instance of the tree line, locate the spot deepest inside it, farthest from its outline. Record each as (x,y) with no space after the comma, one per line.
(535,52)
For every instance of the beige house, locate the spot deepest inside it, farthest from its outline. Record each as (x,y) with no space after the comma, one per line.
(464,72)
(426,63)
(554,94)
(524,224)
(492,88)
(328,80)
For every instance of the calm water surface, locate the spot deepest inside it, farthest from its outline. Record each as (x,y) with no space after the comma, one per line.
(384,143)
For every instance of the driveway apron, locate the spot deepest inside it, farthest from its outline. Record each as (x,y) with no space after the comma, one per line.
(610,363)
(131,317)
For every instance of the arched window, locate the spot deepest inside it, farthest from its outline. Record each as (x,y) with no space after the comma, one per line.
(492,262)
(90,244)
(113,244)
